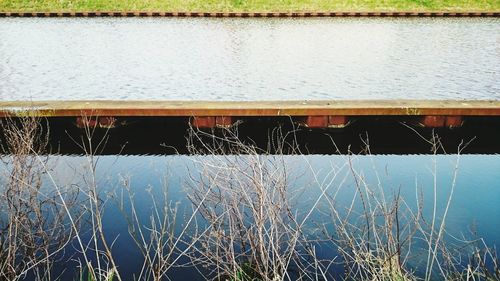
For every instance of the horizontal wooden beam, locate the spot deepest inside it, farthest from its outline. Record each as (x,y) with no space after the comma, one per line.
(250,108)
(251,14)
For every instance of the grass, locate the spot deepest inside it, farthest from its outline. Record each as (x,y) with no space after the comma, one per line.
(248,5)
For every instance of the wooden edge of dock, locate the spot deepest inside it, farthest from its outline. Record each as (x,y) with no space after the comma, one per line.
(249,108)
(264,14)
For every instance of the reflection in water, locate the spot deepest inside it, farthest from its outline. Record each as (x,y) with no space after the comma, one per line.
(248,59)
(473,211)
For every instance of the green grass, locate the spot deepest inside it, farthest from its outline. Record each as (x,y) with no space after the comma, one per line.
(248,5)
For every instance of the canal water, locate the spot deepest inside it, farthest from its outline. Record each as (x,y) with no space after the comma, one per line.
(249,59)
(473,213)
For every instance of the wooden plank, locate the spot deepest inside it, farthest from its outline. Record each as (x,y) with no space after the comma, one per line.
(250,108)
(98,13)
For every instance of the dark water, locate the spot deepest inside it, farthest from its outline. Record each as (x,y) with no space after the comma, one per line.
(249,59)
(475,205)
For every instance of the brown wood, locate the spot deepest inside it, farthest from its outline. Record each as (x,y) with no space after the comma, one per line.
(251,108)
(250,14)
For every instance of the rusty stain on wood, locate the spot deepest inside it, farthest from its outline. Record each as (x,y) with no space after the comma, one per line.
(434,121)
(212,121)
(324,121)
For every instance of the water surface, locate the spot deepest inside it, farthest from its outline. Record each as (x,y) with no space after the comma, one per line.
(249,59)
(473,213)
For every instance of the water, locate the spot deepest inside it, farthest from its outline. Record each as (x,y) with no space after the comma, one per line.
(249,59)
(475,204)
(262,59)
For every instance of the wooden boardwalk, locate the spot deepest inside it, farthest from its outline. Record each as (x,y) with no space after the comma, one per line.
(333,113)
(249,108)
(139,127)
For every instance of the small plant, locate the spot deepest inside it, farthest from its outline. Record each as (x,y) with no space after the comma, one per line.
(88,275)
(245,273)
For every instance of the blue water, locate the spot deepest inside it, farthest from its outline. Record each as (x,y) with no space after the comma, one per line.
(475,204)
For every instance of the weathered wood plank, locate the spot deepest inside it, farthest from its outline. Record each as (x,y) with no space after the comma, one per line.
(250,108)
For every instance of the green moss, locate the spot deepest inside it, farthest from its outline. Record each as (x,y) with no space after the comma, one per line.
(31,113)
(248,5)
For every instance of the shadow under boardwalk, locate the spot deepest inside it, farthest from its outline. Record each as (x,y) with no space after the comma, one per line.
(176,135)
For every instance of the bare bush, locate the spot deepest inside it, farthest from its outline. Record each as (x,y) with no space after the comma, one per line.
(162,239)
(255,230)
(98,261)
(245,222)
(34,228)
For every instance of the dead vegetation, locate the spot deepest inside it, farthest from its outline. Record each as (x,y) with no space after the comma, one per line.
(34,229)
(253,217)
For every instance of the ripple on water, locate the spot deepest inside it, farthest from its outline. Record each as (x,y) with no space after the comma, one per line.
(248,59)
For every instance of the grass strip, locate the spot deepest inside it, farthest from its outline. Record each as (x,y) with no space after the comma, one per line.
(248,5)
